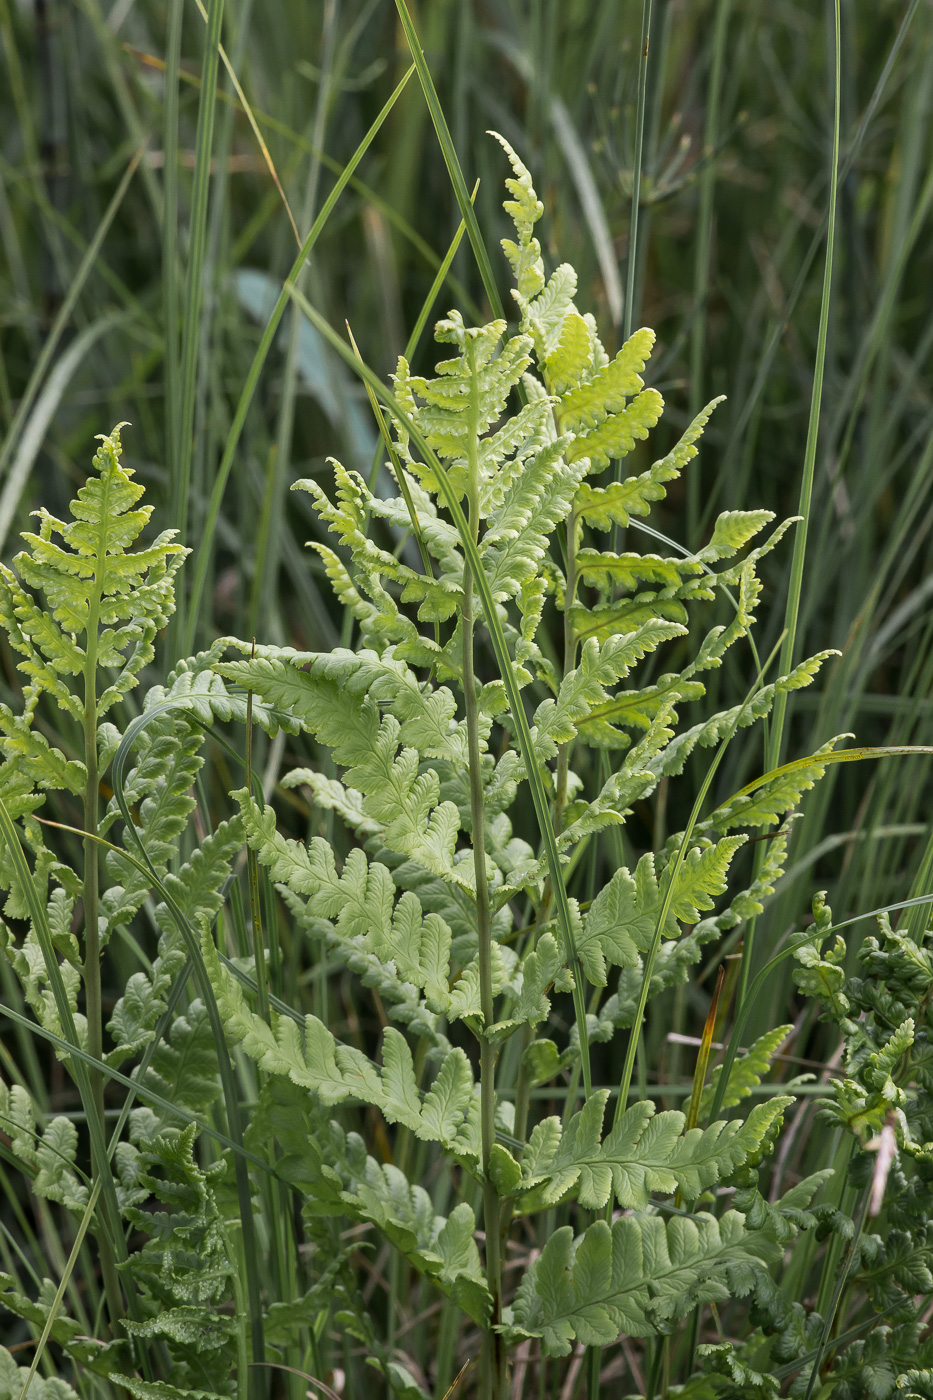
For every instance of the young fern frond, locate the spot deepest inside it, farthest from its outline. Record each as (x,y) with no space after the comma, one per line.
(426,769)
(82,607)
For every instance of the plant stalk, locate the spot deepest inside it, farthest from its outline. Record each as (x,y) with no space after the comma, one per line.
(493,1367)
(92,949)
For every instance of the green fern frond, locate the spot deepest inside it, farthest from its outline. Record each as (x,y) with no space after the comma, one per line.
(50,1156)
(622,919)
(748,1070)
(644,1152)
(626,1279)
(94,573)
(339,1073)
(525,209)
(712,731)
(603,507)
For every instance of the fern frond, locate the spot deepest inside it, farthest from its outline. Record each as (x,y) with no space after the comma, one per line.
(50,1155)
(615,504)
(66,1332)
(712,731)
(94,572)
(626,1279)
(159,786)
(748,1070)
(339,1073)
(644,1152)
(583,689)
(525,209)
(362,899)
(622,919)
(334,1171)
(403,1001)
(772,800)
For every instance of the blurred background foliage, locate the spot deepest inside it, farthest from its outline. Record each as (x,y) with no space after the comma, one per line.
(106,207)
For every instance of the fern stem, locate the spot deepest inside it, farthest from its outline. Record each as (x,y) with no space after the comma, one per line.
(561,776)
(252,863)
(493,1363)
(92,949)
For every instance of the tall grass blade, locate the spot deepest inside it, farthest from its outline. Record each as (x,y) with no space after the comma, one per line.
(202,554)
(183,448)
(788,650)
(452,161)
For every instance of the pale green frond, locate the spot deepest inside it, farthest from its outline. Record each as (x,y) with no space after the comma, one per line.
(132,1023)
(339,1073)
(440,537)
(49,654)
(772,800)
(183,1069)
(603,507)
(621,922)
(569,363)
(50,1154)
(94,568)
(523,494)
(644,1153)
(330,795)
(344,588)
(336,1172)
(542,971)
(605,393)
(403,1001)
(524,209)
(544,317)
(712,731)
(348,520)
(13,1377)
(732,531)
(747,1071)
(362,900)
(605,620)
(616,436)
(513,562)
(160,786)
(447,1104)
(729,578)
(584,689)
(470,392)
(503,454)
(34,756)
(623,1279)
(610,570)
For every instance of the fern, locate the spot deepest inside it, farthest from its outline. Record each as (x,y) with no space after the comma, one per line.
(82,608)
(427,782)
(747,1071)
(423,879)
(636,1277)
(643,1153)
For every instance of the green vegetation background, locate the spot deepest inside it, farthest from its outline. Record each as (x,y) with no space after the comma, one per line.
(106,207)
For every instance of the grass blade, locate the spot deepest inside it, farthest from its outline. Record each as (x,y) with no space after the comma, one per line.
(451,160)
(182,447)
(75,289)
(202,554)
(776,733)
